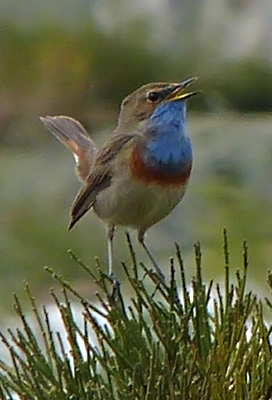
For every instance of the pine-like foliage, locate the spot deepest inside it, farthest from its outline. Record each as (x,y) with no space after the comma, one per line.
(167,341)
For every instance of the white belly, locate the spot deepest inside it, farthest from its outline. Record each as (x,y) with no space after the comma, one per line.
(132,203)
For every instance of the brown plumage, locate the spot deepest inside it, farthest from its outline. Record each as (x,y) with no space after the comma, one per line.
(99,176)
(111,185)
(148,174)
(72,134)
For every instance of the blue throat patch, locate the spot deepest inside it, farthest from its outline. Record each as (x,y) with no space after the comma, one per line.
(168,148)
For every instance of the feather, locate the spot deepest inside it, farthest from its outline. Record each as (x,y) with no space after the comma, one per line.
(99,177)
(72,134)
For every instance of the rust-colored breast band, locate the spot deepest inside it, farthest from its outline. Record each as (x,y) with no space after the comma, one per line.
(148,174)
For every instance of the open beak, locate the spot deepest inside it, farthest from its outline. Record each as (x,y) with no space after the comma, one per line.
(179,91)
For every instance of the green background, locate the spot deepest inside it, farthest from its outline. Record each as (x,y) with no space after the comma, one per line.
(80,59)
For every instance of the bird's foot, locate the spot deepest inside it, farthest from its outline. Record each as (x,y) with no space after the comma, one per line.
(115,285)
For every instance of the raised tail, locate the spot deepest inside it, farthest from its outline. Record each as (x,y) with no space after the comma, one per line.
(72,134)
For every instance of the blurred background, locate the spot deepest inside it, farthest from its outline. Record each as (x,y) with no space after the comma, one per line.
(80,59)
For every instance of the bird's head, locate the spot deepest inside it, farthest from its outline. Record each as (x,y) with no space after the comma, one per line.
(140,105)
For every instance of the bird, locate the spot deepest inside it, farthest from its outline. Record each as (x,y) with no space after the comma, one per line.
(142,171)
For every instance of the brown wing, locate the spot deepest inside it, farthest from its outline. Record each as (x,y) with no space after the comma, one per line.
(99,177)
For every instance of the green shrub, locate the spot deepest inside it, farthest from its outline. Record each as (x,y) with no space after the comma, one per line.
(168,341)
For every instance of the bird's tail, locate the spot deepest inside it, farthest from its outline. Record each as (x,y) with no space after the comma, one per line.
(72,134)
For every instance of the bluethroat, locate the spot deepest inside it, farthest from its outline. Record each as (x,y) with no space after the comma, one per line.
(141,173)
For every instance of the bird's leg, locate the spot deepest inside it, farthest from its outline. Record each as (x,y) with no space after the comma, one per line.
(148,252)
(111,274)
(110,234)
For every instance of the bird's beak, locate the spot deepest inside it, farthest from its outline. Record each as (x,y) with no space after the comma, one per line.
(179,93)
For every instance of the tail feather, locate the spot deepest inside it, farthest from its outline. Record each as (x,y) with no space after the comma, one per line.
(72,134)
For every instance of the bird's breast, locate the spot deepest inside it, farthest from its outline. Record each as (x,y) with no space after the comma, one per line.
(139,196)
(159,174)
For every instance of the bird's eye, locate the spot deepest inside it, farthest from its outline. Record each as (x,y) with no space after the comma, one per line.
(153,96)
